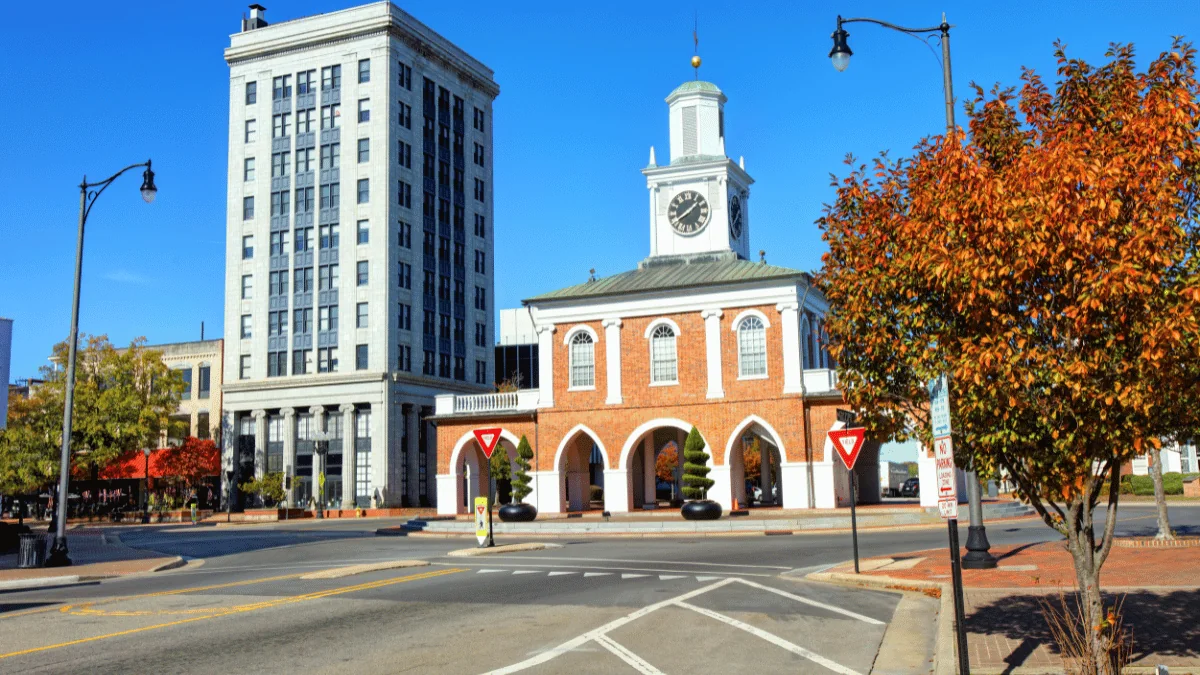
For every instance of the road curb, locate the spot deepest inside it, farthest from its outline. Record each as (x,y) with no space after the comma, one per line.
(498,550)
(174,563)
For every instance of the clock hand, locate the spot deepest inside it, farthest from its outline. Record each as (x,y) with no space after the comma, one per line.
(693,208)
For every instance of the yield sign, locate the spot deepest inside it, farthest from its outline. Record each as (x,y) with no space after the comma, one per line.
(487,440)
(848,442)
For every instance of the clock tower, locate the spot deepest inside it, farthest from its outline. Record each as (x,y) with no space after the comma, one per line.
(699,201)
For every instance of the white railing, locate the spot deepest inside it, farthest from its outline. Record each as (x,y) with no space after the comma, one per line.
(819,380)
(473,404)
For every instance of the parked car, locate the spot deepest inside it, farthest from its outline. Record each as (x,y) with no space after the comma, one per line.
(911,488)
(891,476)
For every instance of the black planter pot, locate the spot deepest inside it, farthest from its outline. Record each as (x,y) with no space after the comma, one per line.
(517,513)
(701,509)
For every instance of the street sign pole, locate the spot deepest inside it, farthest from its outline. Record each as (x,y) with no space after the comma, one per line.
(848,443)
(964,663)
(488,439)
(947,488)
(854,517)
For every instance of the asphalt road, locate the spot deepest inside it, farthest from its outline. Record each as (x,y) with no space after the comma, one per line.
(699,605)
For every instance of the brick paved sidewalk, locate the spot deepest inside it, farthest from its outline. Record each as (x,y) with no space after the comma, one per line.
(94,553)
(1159,588)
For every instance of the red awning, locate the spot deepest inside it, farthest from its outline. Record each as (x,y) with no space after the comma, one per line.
(165,462)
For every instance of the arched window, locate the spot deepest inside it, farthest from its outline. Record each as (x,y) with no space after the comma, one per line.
(583,360)
(752,348)
(663,361)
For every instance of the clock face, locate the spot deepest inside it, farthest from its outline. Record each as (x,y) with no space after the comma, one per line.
(735,217)
(688,212)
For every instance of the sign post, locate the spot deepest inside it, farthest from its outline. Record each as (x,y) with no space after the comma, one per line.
(488,439)
(947,487)
(848,443)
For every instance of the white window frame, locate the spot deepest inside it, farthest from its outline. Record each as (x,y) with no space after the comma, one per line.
(649,335)
(568,340)
(736,327)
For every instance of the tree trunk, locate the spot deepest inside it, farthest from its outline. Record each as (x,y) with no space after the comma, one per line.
(1091,603)
(1160,494)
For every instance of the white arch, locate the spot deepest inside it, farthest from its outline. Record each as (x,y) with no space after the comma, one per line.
(581,328)
(737,320)
(469,437)
(745,424)
(637,434)
(658,322)
(562,445)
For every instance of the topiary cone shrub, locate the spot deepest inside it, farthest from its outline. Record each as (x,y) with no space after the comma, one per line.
(520,479)
(695,467)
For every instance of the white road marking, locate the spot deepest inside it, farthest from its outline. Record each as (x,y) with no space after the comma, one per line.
(814,603)
(636,662)
(578,641)
(658,562)
(655,570)
(527,572)
(490,571)
(597,574)
(665,577)
(633,576)
(556,574)
(706,578)
(770,637)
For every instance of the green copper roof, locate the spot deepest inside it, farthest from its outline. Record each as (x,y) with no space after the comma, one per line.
(695,85)
(675,272)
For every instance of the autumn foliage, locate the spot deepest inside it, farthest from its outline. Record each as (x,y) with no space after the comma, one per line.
(1048,260)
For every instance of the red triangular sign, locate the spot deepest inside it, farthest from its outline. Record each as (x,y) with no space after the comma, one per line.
(847,442)
(488,438)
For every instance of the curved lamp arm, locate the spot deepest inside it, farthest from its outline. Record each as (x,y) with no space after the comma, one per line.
(90,195)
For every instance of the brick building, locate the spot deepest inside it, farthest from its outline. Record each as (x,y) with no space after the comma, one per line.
(698,335)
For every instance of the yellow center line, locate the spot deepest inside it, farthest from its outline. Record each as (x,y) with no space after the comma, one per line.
(241,609)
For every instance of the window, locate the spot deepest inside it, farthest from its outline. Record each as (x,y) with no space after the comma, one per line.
(304,160)
(277,323)
(480,297)
(306,82)
(405,195)
(405,76)
(248,247)
(405,276)
(247,286)
(246,327)
(364,190)
(331,116)
(248,169)
(327,318)
(251,130)
(479,154)
(244,367)
(460,293)
(327,360)
(404,358)
(331,77)
(460,368)
(186,374)
(404,154)
(251,93)
(479,190)
(480,262)
(277,243)
(330,237)
(360,357)
(360,315)
(364,232)
(364,150)
(300,360)
(752,347)
(331,156)
(364,110)
(444,365)
(481,372)
(583,360)
(276,364)
(460,255)
(280,162)
(480,226)
(304,200)
(363,275)
(405,317)
(663,364)
(327,277)
(278,283)
(364,71)
(304,121)
(444,326)
(428,365)
(404,235)
(247,208)
(281,88)
(331,196)
(404,118)
(303,278)
(279,207)
(478,122)
(302,320)
(280,124)
(481,335)
(304,239)
(205,384)
(429,324)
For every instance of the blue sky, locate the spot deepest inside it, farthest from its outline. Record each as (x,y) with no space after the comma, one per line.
(94,87)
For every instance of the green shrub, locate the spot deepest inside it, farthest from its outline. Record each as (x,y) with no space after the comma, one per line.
(695,467)
(520,479)
(597,493)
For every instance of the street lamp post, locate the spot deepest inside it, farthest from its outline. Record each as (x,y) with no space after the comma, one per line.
(146,492)
(977,556)
(88,193)
(321,446)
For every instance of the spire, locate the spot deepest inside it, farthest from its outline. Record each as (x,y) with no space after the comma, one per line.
(696,43)
(742,162)
(652,162)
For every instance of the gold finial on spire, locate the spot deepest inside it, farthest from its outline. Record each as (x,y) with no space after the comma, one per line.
(696,44)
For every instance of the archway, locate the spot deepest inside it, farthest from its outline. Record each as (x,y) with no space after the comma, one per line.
(754,455)
(639,455)
(469,470)
(580,462)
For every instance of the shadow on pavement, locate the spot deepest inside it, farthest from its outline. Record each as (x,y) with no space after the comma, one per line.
(217,542)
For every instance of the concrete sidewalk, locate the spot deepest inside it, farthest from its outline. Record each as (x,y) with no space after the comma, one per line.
(95,554)
(1006,632)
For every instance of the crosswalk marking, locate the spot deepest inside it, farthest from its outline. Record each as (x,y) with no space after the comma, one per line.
(526,571)
(707,578)
(555,574)
(490,571)
(596,574)
(633,576)
(666,577)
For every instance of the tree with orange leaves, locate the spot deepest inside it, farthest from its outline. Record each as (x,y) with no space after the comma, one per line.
(1048,260)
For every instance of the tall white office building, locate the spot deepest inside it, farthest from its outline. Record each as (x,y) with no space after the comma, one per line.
(359,250)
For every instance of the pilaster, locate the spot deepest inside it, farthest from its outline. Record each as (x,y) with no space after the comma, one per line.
(612,360)
(712,343)
(289,452)
(792,367)
(260,442)
(546,365)
(349,457)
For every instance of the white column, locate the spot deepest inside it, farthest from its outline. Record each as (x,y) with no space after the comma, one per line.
(289,450)
(318,465)
(722,490)
(793,485)
(792,368)
(649,480)
(766,475)
(547,491)
(712,343)
(431,460)
(229,457)
(546,366)
(260,443)
(612,360)
(447,503)
(412,460)
(349,456)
